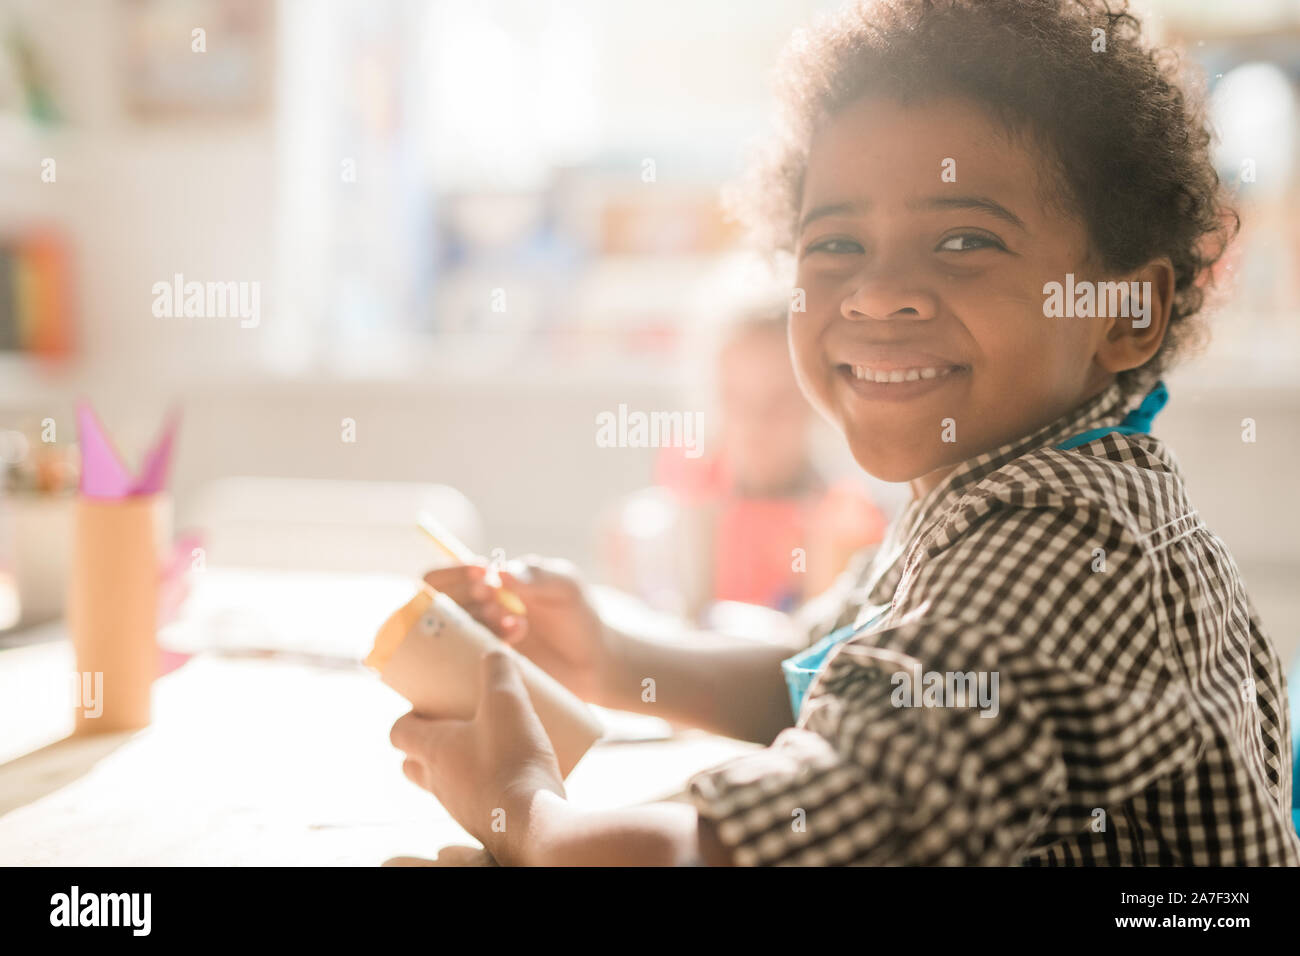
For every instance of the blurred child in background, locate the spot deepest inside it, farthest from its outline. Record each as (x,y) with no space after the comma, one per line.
(751,520)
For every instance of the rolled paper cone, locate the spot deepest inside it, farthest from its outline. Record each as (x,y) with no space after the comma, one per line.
(113,608)
(430,650)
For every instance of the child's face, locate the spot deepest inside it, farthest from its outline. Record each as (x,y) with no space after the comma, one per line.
(903,273)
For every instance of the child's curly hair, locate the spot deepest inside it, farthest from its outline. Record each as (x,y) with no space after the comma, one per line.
(1128,148)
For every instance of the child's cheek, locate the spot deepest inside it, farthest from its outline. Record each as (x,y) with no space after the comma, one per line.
(1016,341)
(810,370)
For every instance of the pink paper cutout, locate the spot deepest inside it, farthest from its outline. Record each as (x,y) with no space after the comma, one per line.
(169,661)
(103,475)
(153,476)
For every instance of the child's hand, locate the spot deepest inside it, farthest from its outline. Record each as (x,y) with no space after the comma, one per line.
(484,770)
(561,633)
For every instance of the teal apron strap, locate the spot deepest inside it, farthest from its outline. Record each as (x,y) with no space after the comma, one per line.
(801,669)
(1136,422)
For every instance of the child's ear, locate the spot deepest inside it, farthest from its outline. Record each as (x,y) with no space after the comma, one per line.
(1129,342)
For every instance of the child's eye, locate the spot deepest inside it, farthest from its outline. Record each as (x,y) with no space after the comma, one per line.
(836,247)
(979,240)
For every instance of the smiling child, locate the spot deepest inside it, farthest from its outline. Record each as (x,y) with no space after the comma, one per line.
(1051,659)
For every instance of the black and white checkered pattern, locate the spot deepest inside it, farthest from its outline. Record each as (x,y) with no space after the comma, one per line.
(1141,713)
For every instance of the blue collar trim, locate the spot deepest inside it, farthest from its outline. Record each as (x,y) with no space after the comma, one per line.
(1136,422)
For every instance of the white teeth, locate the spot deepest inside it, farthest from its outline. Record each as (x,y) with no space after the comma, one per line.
(898,374)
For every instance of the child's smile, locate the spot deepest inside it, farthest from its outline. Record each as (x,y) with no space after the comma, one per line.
(924,338)
(888,374)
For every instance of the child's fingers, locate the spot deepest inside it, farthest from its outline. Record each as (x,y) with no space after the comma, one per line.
(414,771)
(490,612)
(457,582)
(502,685)
(513,629)
(420,736)
(534,578)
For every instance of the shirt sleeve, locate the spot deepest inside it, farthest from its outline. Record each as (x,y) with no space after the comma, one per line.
(1068,706)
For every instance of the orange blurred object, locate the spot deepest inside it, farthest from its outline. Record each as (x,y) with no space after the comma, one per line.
(113,604)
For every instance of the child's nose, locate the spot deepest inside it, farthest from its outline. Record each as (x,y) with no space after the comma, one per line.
(879,295)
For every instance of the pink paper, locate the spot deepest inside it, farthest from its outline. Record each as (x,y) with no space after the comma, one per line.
(104,476)
(153,476)
(102,473)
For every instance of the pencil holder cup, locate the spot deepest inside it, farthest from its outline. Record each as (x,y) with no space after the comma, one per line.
(118,550)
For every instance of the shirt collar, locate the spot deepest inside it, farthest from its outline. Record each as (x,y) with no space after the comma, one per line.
(1106,408)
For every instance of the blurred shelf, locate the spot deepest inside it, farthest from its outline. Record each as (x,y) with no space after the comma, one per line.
(25,381)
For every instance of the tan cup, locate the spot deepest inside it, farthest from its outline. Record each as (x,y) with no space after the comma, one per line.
(113,605)
(430,652)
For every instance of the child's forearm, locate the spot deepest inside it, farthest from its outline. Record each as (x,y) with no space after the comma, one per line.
(555,833)
(727,685)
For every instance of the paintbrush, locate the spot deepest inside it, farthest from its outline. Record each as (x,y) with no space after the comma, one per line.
(455,549)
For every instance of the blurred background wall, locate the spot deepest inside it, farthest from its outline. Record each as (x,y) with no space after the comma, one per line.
(475,226)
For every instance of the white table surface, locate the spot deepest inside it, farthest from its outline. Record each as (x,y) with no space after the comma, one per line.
(254,761)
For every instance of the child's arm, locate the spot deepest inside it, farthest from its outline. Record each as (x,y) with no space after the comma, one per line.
(497,775)
(728,685)
(560,834)
(723,684)
(655,834)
